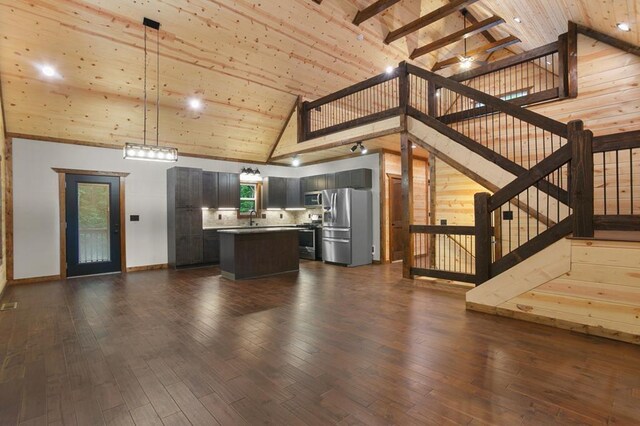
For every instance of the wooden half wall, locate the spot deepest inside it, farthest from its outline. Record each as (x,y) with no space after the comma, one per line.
(589,286)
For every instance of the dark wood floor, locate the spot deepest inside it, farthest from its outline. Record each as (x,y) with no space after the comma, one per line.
(327,345)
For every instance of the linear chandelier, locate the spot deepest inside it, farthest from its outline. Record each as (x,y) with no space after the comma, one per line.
(133,151)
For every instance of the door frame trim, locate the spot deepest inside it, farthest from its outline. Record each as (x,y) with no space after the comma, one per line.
(62,198)
(390,176)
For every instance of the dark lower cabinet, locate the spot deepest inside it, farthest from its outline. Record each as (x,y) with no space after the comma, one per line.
(211,246)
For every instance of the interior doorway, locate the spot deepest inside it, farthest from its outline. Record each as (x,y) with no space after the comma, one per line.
(396,247)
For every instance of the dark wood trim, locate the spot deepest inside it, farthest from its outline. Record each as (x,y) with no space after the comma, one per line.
(616,141)
(445,275)
(431,214)
(523,114)
(366,84)
(89,172)
(443,229)
(284,128)
(428,19)
(572,61)
(302,120)
(62,208)
(383,204)
(317,1)
(471,17)
(582,186)
(403,88)
(378,116)
(372,10)
(563,80)
(483,233)
(616,223)
(123,227)
(8,206)
(534,98)
(527,56)
(533,177)
(535,245)
(406,161)
(156,267)
(605,38)
(487,48)
(458,35)
(35,280)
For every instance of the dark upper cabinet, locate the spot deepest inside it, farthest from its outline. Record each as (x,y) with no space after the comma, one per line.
(187,185)
(314,183)
(295,194)
(228,190)
(357,179)
(274,192)
(330,181)
(210,190)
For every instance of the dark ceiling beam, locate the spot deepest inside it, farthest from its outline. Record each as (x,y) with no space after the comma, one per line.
(458,35)
(427,19)
(371,11)
(473,20)
(487,48)
(318,1)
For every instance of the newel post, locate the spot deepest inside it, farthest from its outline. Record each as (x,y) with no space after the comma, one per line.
(581,182)
(403,94)
(483,237)
(406,157)
(302,119)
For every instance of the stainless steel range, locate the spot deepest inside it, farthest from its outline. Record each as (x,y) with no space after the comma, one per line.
(310,241)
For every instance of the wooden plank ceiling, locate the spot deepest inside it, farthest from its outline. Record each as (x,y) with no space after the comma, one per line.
(247,61)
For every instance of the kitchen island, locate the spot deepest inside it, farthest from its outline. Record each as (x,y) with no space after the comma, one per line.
(258,252)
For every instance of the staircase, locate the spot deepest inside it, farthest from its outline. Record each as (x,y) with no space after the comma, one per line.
(541,171)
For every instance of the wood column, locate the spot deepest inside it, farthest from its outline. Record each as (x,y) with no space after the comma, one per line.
(483,237)
(302,120)
(406,156)
(581,182)
(432,209)
(403,93)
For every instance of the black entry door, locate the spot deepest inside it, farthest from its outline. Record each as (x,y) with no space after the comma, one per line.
(93,224)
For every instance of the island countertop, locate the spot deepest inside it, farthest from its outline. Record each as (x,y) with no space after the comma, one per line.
(242,231)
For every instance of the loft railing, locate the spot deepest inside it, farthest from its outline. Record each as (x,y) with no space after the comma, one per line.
(446,252)
(616,160)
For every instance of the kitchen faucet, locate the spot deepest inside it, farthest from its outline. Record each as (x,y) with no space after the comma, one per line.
(251,213)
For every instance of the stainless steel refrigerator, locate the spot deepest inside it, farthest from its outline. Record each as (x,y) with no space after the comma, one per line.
(347,227)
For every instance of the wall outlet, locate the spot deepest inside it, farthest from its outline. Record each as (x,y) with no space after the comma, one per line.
(264,215)
(443,222)
(281,215)
(219,217)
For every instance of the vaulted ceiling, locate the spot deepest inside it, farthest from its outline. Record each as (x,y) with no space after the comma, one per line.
(246,60)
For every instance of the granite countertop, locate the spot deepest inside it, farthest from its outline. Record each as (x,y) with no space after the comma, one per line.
(257,230)
(286,225)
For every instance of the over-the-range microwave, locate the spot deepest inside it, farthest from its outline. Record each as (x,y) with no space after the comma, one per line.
(313,200)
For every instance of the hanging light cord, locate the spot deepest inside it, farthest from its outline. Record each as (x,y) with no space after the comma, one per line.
(145,86)
(158,87)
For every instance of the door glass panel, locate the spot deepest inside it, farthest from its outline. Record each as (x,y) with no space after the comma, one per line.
(93,223)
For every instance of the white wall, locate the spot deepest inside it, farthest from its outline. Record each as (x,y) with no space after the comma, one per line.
(36,247)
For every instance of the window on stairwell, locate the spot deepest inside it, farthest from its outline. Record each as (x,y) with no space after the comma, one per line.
(509,96)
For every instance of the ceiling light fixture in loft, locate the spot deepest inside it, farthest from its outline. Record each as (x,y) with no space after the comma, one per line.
(247,174)
(623,26)
(134,151)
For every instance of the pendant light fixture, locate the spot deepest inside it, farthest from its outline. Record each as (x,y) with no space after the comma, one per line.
(465,60)
(133,151)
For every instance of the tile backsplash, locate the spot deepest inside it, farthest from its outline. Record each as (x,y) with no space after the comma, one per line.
(230,217)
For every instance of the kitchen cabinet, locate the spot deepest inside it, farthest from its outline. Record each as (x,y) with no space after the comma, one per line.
(188,186)
(211,246)
(295,195)
(184,216)
(357,179)
(330,181)
(315,183)
(210,190)
(274,192)
(228,190)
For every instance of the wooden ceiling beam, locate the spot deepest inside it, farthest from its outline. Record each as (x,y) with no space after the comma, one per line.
(372,10)
(458,35)
(429,18)
(487,48)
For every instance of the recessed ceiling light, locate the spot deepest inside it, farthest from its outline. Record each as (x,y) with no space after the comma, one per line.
(623,26)
(360,37)
(195,103)
(414,146)
(48,71)
(389,69)
(518,20)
